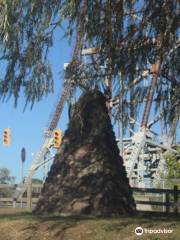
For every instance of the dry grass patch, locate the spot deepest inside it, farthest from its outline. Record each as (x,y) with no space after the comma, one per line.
(23,225)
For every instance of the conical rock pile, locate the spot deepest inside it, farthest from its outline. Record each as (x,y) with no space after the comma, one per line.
(87,176)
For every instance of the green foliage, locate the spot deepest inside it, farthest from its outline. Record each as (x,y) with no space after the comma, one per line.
(6,178)
(24,44)
(129,37)
(37,181)
(173,165)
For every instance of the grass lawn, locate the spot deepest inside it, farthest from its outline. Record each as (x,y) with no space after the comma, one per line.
(17,224)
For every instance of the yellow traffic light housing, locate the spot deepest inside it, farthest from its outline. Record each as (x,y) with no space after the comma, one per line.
(6,137)
(57,138)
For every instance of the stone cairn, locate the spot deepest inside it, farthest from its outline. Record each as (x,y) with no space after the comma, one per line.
(87,176)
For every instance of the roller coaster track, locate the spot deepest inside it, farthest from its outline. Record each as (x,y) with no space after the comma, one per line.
(59,108)
(39,158)
(140,138)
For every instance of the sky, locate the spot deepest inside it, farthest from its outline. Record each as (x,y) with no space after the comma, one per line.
(27,127)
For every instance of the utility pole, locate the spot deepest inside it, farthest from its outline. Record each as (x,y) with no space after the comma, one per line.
(23,158)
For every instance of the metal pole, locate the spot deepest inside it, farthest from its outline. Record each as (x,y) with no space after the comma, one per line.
(29,194)
(22,175)
(121,118)
(22,171)
(23,158)
(44,172)
(155,71)
(121,135)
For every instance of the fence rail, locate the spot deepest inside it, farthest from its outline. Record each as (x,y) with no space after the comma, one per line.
(167,192)
(14,186)
(9,201)
(167,201)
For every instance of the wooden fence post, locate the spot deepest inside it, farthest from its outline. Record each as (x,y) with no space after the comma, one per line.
(167,202)
(176,199)
(14,203)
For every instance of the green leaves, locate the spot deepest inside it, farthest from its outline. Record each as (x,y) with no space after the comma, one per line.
(24,53)
(128,36)
(173,165)
(5,177)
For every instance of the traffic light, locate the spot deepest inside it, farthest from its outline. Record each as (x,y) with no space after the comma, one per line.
(57,138)
(6,139)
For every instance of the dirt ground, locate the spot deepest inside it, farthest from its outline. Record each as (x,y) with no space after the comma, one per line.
(23,225)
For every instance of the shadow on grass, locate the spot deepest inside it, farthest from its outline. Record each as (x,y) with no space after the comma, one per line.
(56,226)
(61,228)
(159,216)
(140,216)
(107,223)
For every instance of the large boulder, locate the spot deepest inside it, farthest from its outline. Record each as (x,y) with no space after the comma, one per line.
(88,175)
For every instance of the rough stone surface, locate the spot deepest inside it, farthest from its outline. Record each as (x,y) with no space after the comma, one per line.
(87,176)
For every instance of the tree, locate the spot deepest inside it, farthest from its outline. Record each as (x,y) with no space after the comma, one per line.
(6,178)
(26,35)
(37,181)
(170,174)
(172,165)
(128,38)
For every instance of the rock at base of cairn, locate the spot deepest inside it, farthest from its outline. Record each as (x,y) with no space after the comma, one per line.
(87,176)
